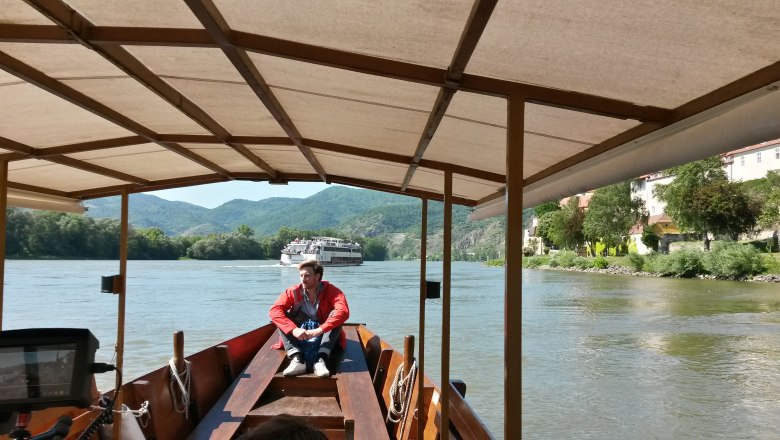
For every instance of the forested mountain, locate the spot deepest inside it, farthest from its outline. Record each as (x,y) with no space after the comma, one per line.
(348,211)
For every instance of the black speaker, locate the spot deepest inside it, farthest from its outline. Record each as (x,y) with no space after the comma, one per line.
(432,289)
(110,284)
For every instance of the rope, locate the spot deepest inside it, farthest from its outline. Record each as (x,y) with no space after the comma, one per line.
(137,413)
(184,387)
(401,395)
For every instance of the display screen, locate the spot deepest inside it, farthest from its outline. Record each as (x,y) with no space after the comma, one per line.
(40,371)
(46,367)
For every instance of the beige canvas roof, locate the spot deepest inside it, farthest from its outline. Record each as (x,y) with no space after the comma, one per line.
(100,96)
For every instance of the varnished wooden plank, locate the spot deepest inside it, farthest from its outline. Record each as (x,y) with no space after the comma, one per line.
(300,406)
(465,420)
(228,413)
(306,385)
(323,423)
(356,392)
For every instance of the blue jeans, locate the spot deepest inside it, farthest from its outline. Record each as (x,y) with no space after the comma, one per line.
(327,342)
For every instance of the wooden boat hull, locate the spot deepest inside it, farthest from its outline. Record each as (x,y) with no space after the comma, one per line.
(238,384)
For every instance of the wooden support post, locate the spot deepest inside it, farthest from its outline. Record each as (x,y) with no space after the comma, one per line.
(223,356)
(3,229)
(349,429)
(178,350)
(513,303)
(408,354)
(421,415)
(120,331)
(445,306)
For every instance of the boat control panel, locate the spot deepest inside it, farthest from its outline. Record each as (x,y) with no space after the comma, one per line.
(46,367)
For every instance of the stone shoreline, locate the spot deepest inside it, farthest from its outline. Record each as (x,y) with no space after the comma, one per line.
(621,270)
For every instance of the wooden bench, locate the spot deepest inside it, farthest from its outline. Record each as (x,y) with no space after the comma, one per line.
(226,416)
(356,391)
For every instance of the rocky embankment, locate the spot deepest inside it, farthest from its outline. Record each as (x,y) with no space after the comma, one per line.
(621,270)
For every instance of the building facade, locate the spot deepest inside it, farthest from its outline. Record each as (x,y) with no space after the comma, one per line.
(752,162)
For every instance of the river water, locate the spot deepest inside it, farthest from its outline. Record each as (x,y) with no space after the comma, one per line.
(604,357)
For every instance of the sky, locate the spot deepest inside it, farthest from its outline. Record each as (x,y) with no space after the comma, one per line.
(215,194)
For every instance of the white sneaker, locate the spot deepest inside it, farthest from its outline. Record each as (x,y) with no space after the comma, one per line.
(320,369)
(295,368)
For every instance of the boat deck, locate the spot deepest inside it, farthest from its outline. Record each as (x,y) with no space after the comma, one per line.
(344,406)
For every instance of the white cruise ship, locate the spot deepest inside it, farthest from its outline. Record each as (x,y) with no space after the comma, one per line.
(328,251)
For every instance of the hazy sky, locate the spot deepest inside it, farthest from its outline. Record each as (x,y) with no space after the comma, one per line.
(215,194)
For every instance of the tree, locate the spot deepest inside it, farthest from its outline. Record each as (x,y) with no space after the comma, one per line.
(725,209)
(374,249)
(45,237)
(246,231)
(565,229)
(702,200)
(18,227)
(611,214)
(769,218)
(544,208)
(649,238)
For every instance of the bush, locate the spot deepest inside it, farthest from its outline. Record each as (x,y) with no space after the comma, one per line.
(582,263)
(771,265)
(600,263)
(532,262)
(685,263)
(563,259)
(496,263)
(733,260)
(635,261)
(528,251)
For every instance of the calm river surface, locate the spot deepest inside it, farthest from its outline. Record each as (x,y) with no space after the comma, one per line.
(603,356)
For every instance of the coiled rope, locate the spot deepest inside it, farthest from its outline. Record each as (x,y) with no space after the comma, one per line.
(182,379)
(401,395)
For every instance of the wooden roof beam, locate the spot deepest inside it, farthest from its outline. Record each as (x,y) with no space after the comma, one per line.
(29,152)
(39,189)
(80,28)
(91,146)
(399,158)
(150,186)
(22,152)
(367,64)
(39,79)
(217,27)
(96,169)
(397,190)
(480,15)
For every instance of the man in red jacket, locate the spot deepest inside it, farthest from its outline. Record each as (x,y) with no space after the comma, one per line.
(309,313)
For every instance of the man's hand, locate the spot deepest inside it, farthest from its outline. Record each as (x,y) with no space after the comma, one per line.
(314,333)
(300,333)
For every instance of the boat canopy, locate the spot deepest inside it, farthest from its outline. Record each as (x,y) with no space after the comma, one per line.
(98,97)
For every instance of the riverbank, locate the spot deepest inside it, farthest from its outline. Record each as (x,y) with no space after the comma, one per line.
(726,261)
(622,270)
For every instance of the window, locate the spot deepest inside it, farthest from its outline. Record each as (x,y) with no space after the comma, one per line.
(742,161)
(777,153)
(758,157)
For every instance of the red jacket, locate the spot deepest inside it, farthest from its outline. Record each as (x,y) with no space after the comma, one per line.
(332,299)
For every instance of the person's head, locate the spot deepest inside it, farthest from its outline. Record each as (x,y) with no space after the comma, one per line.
(310,272)
(284,427)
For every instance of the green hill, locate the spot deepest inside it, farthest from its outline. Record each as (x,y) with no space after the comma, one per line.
(350,212)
